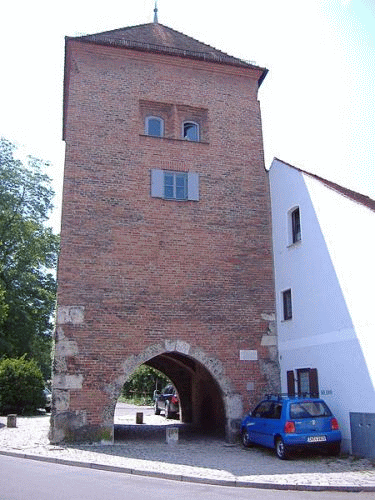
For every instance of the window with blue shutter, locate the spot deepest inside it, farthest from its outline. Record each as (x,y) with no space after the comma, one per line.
(178,186)
(157,183)
(175,185)
(193,186)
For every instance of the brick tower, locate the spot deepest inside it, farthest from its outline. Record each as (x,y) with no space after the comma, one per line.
(165,243)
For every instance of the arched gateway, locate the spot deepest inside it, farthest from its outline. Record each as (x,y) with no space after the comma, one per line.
(165,242)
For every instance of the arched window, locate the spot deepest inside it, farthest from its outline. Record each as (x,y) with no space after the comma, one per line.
(154,126)
(191,131)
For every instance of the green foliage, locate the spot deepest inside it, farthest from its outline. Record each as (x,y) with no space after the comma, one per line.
(3,305)
(28,256)
(142,384)
(21,386)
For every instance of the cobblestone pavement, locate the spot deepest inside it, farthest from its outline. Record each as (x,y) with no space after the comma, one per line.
(142,449)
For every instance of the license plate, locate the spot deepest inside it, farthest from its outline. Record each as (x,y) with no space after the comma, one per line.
(316,439)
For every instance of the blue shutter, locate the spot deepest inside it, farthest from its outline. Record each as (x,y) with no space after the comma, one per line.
(193,186)
(157,183)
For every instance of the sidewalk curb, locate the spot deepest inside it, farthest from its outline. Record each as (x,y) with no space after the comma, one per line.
(190,479)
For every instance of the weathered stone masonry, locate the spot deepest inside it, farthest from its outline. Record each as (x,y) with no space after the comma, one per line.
(184,285)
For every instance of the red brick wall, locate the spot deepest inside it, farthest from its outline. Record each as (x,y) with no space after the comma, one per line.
(146,269)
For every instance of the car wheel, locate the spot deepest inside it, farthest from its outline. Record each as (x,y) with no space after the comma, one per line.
(281,449)
(156,409)
(246,441)
(167,410)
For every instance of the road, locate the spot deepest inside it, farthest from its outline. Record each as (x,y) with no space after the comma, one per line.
(22,479)
(125,414)
(126,410)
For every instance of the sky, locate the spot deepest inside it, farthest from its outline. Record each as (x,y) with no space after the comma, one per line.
(317,101)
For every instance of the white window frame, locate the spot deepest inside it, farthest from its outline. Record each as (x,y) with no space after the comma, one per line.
(147,126)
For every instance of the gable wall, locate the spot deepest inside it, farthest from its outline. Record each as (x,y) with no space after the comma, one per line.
(330,274)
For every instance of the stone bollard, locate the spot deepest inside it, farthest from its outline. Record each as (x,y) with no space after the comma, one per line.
(139,418)
(11,420)
(172,435)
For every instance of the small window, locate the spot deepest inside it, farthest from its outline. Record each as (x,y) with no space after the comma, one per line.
(296,225)
(191,131)
(154,126)
(307,382)
(287,304)
(175,185)
(303,381)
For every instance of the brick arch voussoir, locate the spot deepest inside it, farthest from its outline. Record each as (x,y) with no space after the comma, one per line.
(232,401)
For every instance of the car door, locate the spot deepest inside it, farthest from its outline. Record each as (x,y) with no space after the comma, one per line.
(257,425)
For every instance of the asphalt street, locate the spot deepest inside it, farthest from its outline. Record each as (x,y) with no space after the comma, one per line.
(144,451)
(33,480)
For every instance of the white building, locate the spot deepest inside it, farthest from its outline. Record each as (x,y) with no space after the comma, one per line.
(324,253)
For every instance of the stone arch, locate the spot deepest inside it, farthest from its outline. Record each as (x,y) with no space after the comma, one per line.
(209,372)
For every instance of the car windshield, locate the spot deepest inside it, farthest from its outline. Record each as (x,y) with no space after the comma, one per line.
(309,409)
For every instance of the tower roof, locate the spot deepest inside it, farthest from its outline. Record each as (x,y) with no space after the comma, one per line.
(156,12)
(157,38)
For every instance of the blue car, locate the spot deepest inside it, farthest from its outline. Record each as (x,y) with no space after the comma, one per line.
(289,424)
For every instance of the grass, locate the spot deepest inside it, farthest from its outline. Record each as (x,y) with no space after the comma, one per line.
(136,400)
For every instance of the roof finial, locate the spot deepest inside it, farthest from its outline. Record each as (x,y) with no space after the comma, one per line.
(156,12)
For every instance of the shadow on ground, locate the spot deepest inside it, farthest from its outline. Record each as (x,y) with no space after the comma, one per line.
(186,432)
(199,449)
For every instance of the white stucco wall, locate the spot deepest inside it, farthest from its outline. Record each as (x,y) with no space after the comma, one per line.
(332,276)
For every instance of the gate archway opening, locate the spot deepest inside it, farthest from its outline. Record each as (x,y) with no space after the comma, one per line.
(201,399)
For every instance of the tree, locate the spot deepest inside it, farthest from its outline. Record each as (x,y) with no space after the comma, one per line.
(28,257)
(143,382)
(21,386)
(3,305)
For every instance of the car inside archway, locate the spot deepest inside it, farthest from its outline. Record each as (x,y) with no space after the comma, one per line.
(197,402)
